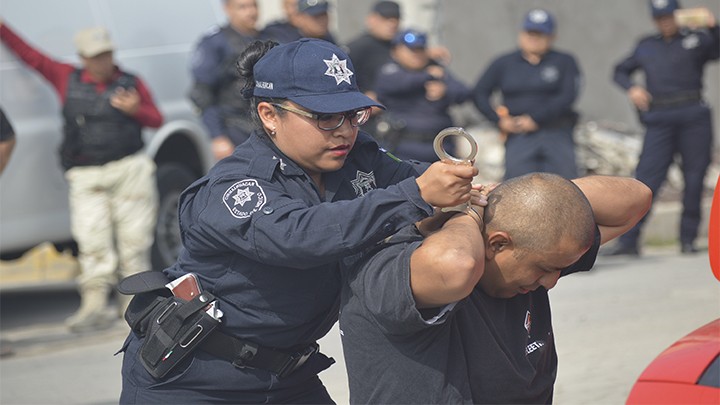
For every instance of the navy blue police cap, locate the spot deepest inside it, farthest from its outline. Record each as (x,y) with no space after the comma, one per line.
(313,73)
(660,8)
(410,38)
(539,20)
(387,9)
(313,7)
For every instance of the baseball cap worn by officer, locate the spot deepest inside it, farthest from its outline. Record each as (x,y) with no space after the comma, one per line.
(313,7)
(91,42)
(660,8)
(313,73)
(411,38)
(387,9)
(539,20)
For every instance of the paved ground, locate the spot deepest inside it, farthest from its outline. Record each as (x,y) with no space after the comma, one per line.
(609,325)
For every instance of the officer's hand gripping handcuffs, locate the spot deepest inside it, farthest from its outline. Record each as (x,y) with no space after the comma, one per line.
(443,155)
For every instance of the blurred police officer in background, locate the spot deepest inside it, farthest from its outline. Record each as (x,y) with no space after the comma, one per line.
(371,49)
(284,29)
(217,85)
(418,93)
(539,86)
(304,19)
(671,107)
(112,188)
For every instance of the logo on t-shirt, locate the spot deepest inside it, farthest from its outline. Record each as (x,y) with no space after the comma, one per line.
(528,322)
(534,346)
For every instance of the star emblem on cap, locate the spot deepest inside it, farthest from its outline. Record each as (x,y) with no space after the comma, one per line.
(338,69)
(538,16)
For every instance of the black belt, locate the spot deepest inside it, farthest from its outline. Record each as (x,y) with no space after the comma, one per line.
(242,353)
(676,99)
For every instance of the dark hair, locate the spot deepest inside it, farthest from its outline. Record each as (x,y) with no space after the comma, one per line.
(540,209)
(245,64)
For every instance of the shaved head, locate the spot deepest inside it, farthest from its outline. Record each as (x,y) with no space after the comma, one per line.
(538,210)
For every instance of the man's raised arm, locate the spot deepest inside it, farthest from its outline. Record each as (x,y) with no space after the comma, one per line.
(618,203)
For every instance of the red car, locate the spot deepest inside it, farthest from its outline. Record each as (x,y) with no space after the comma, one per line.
(688,372)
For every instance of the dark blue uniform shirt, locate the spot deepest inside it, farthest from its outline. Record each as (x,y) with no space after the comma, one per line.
(546,91)
(368,54)
(267,244)
(671,66)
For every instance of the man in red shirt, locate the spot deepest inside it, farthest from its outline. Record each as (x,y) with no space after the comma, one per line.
(112,190)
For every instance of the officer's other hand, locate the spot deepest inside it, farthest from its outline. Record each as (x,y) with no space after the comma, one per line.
(434,90)
(479,194)
(127,101)
(640,97)
(222,147)
(445,184)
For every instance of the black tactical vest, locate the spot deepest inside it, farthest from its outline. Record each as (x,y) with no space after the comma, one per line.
(95,132)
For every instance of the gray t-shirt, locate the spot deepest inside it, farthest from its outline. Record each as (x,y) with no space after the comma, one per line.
(479,350)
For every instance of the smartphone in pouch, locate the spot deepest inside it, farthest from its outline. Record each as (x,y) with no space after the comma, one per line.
(186,287)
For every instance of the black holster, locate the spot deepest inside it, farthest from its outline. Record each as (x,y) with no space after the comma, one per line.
(176,328)
(173,328)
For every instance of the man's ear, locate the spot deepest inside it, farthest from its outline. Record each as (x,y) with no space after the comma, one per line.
(497,241)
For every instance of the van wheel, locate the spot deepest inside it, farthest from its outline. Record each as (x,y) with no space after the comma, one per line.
(172,179)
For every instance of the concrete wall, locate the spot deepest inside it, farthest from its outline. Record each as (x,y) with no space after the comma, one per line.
(599,33)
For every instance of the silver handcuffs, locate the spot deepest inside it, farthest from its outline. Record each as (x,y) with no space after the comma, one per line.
(443,155)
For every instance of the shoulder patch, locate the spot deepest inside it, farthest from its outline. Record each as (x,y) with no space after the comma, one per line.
(244,198)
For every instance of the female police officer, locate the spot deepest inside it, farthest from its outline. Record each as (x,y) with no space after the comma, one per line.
(265,229)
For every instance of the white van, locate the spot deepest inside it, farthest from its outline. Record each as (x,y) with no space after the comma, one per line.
(153,39)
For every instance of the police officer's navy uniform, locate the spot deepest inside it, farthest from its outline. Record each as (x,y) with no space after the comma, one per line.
(216,90)
(264,241)
(678,120)
(261,238)
(369,54)
(546,92)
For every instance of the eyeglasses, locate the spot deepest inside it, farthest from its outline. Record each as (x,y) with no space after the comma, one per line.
(329,122)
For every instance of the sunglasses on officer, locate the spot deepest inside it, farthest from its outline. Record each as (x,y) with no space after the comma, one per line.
(329,122)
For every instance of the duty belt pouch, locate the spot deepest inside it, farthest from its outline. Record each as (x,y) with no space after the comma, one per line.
(176,329)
